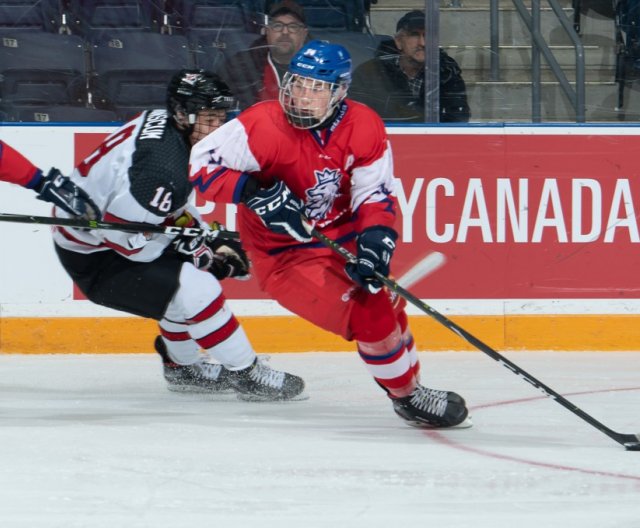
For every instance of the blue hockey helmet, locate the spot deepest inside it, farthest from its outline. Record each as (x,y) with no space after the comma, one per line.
(322,61)
(318,67)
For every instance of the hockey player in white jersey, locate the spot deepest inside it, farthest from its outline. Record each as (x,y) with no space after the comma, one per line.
(140,174)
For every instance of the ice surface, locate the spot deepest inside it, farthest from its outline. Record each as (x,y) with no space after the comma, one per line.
(97,441)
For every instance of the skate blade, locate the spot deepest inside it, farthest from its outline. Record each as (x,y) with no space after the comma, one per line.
(465,424)
(256,398)
(189,389)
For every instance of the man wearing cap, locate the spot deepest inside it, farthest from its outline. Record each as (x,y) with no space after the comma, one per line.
(256,74)
(393,82)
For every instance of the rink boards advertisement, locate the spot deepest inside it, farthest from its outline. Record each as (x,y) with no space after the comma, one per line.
(533,221)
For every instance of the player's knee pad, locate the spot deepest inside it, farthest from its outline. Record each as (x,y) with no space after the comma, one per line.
(373,318)
(196,291)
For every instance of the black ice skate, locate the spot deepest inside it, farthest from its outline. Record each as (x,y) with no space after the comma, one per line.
(432,408)
(260,382)
(199,377)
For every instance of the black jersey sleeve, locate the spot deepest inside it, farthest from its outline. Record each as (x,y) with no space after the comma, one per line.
(159,172)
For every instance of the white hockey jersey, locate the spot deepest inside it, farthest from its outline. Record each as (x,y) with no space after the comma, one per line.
(137,174)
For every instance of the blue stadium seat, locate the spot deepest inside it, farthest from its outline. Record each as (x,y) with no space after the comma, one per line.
(215,16)
(362,46)
(211,50)
(39,15)
(326,18)
(45,68)
(131,70)
(51,114)
(332,15)
(93,16)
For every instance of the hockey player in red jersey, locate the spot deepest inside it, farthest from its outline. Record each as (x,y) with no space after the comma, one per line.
(53,187)
(140,174)
(317,153)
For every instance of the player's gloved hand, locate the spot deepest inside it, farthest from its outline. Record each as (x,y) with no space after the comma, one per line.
(280,210)
(229,260)
(223,258)
(61,191)
(375,249)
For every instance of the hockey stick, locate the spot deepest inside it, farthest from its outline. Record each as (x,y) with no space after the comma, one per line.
(129,227)
(426,266)
(631,442)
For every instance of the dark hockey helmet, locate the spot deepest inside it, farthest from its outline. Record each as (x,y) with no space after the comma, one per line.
(190,91)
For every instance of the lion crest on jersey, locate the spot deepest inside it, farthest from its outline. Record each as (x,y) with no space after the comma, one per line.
(320,198)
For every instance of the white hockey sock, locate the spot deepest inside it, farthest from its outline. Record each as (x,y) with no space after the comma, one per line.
(199,305)
(181,349)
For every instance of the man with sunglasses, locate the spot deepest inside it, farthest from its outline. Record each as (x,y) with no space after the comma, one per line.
(256,74)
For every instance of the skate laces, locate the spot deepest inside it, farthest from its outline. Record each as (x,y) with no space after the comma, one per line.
(208,370)
(430,400)
(265,375)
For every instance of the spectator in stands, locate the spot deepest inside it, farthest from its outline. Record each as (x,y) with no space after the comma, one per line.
(392,83)
(256,74)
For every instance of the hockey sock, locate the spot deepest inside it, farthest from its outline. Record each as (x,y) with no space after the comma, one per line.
(181,349)
(199,306)
(409,343)
(374,326)
(389,364)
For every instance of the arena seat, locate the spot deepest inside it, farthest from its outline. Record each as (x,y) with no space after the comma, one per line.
(131,69)
(332,15)
(361,46)
(38,67)
(39,15)
(211,50)
(94,16)
(59,113)
(198,17)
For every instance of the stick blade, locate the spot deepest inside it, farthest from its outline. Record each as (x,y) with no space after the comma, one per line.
(631,442)
(420,270)
(632,446)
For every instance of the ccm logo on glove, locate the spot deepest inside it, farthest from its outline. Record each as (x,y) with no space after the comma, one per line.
(280,210)
(375,247)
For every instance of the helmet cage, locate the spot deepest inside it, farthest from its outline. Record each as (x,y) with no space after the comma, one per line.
(309,115)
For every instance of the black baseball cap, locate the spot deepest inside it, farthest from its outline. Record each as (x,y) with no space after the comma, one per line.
(287,7)
(411,21)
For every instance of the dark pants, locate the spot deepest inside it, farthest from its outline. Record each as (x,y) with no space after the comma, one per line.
(108,279)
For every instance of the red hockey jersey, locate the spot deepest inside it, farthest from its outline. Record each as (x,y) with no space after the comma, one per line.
(344,173)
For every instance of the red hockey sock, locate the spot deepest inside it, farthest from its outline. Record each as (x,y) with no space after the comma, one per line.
(409,343)
(390,364)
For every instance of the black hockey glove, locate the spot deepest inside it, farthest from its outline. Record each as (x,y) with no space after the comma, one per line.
(230,260)
(222,258)
(375,249)
(280,210)
(61,191)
